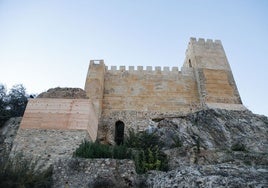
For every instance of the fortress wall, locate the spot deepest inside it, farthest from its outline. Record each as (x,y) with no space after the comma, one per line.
(146,90)
(137,96)
(219,87)
(61,114)
(136,120)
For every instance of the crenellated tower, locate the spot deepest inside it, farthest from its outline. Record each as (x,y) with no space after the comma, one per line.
(212,71)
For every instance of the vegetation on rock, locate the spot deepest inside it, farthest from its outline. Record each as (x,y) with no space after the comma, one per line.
(96,150)
(12,103)
(144,148)
(21,172)
(148,155)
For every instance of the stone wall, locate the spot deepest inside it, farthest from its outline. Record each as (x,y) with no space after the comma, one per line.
(78,172)
(48,146)
(61,114)
(147,90)
(137,96)
(95,84)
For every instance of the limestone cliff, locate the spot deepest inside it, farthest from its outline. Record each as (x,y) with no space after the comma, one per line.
(219,148)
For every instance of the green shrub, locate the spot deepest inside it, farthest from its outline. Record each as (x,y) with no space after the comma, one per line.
(143,140)
(21,172)
(96,150)
(143,148)
(150,159)
(148,154)
(121,152)
(93,150)
(12,103)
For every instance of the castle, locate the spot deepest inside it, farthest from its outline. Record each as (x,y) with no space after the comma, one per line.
(120,98)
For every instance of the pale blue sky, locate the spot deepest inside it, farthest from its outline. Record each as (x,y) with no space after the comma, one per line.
(45,44)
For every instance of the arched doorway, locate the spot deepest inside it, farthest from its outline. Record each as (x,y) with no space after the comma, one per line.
(119,132)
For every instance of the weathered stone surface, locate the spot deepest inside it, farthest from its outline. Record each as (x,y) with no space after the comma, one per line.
(48,145)
(207,157)
(7,135)
(217,129)
(210,176)
(78,172)
(64,93)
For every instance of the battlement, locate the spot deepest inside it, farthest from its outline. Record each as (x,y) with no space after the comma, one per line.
(97,62)
(142,68)
(149,70)
(202,41)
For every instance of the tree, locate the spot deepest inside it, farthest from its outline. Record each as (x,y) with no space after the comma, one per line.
(17,100)
(12,104)
(4,113)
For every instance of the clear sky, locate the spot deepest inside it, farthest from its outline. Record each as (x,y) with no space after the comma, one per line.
(49,43)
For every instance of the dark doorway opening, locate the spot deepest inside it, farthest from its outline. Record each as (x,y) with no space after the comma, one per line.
(119,132)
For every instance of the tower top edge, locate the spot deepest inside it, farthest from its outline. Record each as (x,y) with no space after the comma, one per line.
(193,40)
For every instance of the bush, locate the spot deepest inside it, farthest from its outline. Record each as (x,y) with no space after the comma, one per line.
(96,150)
(13,103)
(121,152)
(143,148)
(148,155)
(20,172)
(150,159)
(143,140)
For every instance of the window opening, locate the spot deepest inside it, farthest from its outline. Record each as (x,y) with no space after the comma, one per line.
(119,132)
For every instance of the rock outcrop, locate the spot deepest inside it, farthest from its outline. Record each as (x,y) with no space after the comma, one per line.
(217,129)
(209,148)
(64,93)
(94,173)
(210,176)
(7,135)
(214,148)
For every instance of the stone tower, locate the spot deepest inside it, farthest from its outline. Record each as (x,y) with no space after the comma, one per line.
(216,85)
(94,86)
